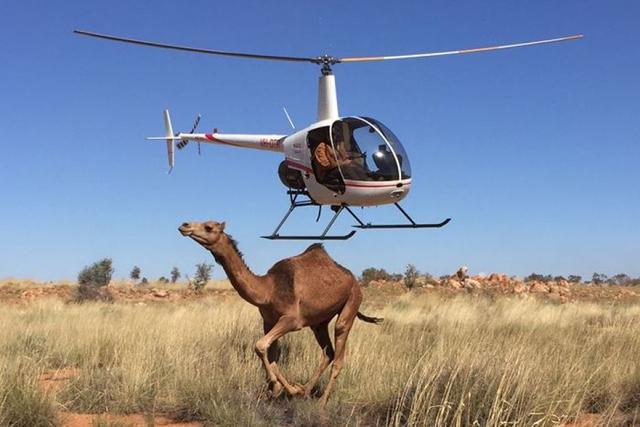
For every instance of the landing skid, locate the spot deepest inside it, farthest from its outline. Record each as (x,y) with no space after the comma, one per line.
(295,203)
(412,223)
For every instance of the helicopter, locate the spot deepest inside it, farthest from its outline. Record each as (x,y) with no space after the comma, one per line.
(338,161)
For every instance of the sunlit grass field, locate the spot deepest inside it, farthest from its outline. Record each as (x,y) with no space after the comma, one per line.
(461,361)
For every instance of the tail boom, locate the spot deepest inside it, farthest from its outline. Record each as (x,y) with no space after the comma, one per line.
(258,142)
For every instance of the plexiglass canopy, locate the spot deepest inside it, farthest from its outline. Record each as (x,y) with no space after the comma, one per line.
(368,151)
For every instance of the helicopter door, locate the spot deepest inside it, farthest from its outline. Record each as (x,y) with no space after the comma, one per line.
(323,160)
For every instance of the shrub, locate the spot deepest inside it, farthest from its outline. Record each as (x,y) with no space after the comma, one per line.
(175,274)
(370,274)
(135,273)
(411,276)
(620,280)
(93,279)
(599,278)
(535,277)
(575,278)
(163,280)
(203,275)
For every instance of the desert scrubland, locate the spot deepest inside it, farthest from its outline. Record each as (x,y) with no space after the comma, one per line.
(440,358)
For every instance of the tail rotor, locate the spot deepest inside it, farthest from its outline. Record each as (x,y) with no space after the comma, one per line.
(179,140)
(183,143)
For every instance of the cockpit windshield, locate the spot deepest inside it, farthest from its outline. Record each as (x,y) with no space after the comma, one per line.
(364,151)
(403,159)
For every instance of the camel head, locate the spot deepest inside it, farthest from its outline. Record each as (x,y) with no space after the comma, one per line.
(206,233)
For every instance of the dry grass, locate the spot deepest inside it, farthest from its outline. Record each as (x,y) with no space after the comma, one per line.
(460,361)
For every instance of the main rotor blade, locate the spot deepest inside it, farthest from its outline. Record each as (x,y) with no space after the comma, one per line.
(456,52)
(194,49)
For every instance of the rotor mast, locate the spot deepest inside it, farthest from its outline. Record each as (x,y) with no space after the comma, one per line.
(327,95)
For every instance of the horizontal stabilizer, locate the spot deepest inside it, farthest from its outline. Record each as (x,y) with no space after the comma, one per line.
(163,138)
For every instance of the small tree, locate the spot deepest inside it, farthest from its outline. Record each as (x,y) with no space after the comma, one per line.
(175,274)
(598,278)
(202,276)
(135,273)
(620,279)
(144,281)
(92,280)
(573,278)
(163,279)
(411,276)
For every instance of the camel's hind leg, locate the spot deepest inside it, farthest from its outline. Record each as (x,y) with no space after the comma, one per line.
(342,328)
(321,332)
(282,326)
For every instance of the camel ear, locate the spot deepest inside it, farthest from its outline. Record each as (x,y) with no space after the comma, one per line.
(222,225)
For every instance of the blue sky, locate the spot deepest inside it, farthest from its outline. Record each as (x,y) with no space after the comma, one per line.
(533,152)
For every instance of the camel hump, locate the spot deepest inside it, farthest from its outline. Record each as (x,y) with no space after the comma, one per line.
(313,247)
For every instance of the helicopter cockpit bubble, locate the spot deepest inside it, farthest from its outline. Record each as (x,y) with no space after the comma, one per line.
(368,151)
(398,149)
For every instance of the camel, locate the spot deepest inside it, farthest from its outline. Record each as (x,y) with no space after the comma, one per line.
(307,290)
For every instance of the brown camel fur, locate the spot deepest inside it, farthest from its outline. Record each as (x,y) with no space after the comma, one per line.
(309,289)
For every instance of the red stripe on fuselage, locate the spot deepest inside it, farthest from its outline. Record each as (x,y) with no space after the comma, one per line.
(366,184)
(299,166)
(210,137)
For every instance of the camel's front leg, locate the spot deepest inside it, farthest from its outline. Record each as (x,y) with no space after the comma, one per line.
(282,326)
(273,354)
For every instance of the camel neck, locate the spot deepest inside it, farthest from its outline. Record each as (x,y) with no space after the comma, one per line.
(250,286)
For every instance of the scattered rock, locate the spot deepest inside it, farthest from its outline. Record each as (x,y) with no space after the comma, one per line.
(538,287)
(472,284)
(160,293)
(497,277)
(453,283)
(519,288)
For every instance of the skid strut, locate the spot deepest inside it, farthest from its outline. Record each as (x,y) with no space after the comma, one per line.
(295,203)
(302,203)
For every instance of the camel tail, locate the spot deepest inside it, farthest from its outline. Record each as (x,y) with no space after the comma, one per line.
(368,319)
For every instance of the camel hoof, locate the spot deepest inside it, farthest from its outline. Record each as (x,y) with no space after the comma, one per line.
(298,390)
(276,390)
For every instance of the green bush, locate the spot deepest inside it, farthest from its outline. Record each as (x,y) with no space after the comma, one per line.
(411,274)
(175,274)
(135,273)
(93,280)
(535,277)
(203,275)
(370,274)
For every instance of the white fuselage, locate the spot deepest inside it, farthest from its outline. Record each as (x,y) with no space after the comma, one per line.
(356,193)
(297,151)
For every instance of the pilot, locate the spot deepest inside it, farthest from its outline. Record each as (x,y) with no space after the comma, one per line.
(384,160)
(329,163)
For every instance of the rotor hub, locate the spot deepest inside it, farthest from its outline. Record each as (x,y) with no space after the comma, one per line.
(326,61)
